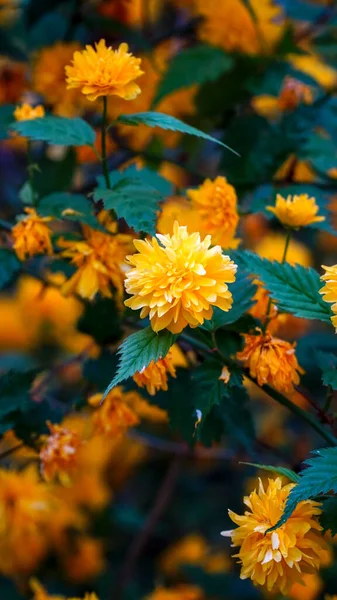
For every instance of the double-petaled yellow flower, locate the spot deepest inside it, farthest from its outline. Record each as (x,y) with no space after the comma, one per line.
(31,235)
(329,291)
(296,211)
(26,112)
(271,361)
(102,71)
(59,453)
(280,558)
(177,282)
(114,416)
(215,203)
(154,376)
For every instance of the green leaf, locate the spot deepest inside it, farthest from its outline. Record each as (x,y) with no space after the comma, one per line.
(156,119)
(57,130)
(328,518)
(329,378)
(243,291)
(195,65)
(283,471)
(6,119)
(26,193)
(58,204)
(9,266)
(295,289)
(101,320)
(55,175)
(133,201)
(14,395)
(207,388)
(319,478)
(138,350)
(144,176)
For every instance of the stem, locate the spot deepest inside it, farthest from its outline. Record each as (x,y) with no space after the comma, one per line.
(286,247)
(11,450)
(314,424)
(329,398)
(104,160)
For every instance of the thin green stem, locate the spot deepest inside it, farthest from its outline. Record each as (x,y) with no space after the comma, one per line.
(104,130)
(286,247)
(328,400)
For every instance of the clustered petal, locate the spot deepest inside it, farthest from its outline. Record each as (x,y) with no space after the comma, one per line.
(296,211)
(59,453)
(271,361)
(216,205)
(31,235)
(113,416)
(178,282)
(280,558)
(26,112)
(102,71)
(329,291)
(99,259)
(154,376)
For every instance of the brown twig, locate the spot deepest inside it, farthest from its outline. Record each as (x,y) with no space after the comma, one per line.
(161,501)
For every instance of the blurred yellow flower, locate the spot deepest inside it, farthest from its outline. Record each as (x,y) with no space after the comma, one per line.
(31,235)
(216,204)
(299,170)
(272,247)
(178,208)
(292,94)
(40,593)
(113,417)
(315,67)
(86,154)
(9,11)
(131,12)
(296,211)
(180,592)
(278,559)
(59,453)
(308,589)
(178,282)
(26,112)
(329,291)
(13,81)
(102,71)
(99,260)
(271,361)
(25,511)
(154,376)
(190,550)
(85,560)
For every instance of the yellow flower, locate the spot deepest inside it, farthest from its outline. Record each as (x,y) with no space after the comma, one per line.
(177,283)
(59,453)
(298,170)
(190,550)
(113,417)
(31,235)
(9,11)
(13,80)
(178,208)
(272,247)
(40,593)
(102,71)
(329,291)
(26,112)
(308,589)
(25,512)
(315,67)
(292,94)
(145,410)
(230,25)
(180,592)
(215,202)
(271,361)
(278,559)
(296,211)
(85,560)
(99,260)
(130,12)
(154,376)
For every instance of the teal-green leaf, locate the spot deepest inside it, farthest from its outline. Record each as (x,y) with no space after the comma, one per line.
(157,119)
(195,65)
(294,288)
(328,518)
(14,395)
(143,176)
(9,266)
(319,478)
(57,130)
(207,388)
(283,471)
(329,378)
(6,119)
(60,204)
(243,291)
(137,203)
(138,350)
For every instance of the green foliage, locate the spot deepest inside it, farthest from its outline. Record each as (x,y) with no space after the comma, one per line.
(282,471)
(138,350)
(72,207)
(9,266)
(195,65)
(329,378)
(208,389)
(157,119)
(243,291)
(101,320)
(57,130)
(6,118)
(55,175)
(319,478)
(14,396)
(295,289)
(328,518)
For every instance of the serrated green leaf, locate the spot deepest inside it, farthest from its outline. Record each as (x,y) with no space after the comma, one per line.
(243,291)
(283,471)
(57,130)
(328,518)
(135,202)
(207,388)
(195,65)
(138,350)
(329,378)
(61,204)
(9,266)
(156,119)
(319,478)
(144,176)
(295,289)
